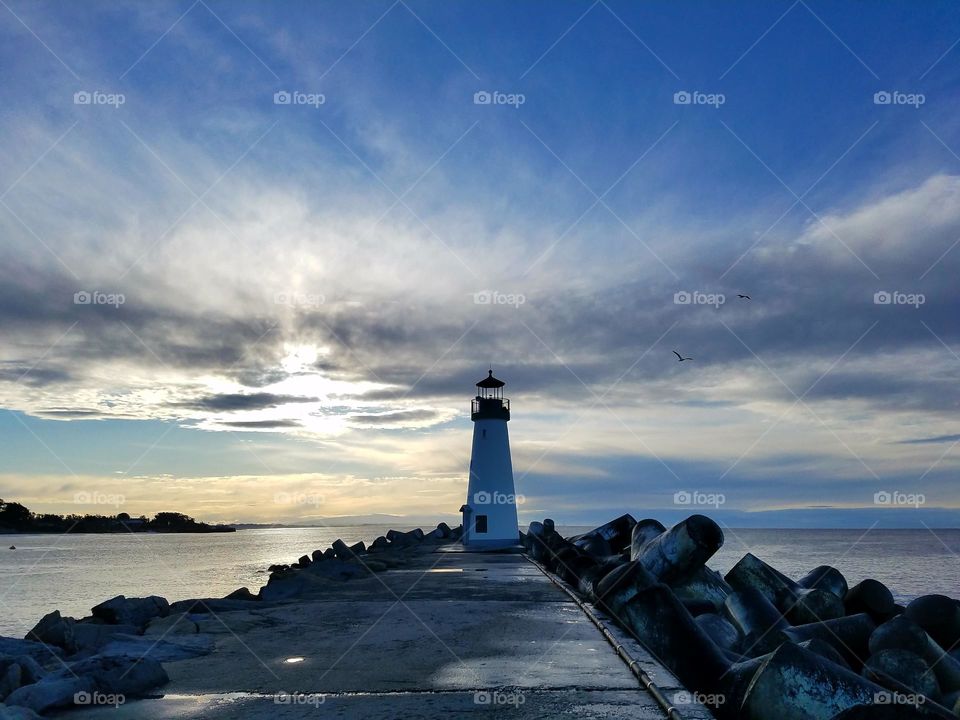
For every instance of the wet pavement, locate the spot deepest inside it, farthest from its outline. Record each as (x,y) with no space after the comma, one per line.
(450,634)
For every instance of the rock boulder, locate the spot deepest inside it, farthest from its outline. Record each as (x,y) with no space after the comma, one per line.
(50,693)
(10,679)
(242,594)
(15,712)
(90,637)
(122,674)
(174,624)
(14,647)
(131,611)
(54,629)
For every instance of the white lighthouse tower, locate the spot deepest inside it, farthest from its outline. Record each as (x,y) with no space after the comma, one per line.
(490,513)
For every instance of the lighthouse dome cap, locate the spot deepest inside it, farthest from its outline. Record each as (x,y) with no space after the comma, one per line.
(490,382)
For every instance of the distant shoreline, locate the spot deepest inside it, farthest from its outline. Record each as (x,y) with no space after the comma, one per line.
(246,526)
(212,529)
(16,518)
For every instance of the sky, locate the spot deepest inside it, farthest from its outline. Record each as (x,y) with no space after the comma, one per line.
(254,257)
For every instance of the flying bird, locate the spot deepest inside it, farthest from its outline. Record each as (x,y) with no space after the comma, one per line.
(743,297)
(680,357)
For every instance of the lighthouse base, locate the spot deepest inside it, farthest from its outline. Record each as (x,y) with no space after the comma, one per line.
(474,548)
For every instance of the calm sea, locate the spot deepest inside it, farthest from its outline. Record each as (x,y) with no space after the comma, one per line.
(74,572)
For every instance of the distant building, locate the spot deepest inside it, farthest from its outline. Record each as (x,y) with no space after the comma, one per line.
(490,513)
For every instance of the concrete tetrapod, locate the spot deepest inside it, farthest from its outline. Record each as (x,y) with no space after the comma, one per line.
(757,619)
(898,670)
(904,634)
(826,650)
(850,636)
(621,585)
(799,604)
(590,578)
(643,532)
(898,711)
(796,684)
(790,683)
(669,632)
(701,588)
(537,541)
(608,539)
(939,615)
(825,577)
(720,630)
(682,549)
(872,597)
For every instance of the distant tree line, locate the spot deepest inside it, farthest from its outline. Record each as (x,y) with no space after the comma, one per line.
(15,517)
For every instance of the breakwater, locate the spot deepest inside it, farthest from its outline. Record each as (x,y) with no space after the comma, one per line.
(118,652)
(752,644)
(756,643)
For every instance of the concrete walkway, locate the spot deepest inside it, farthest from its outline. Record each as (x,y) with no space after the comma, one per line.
(450,635)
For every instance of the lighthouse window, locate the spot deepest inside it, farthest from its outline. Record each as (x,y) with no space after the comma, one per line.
(481,524)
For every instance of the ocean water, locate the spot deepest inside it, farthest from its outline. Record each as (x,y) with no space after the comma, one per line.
(72,573)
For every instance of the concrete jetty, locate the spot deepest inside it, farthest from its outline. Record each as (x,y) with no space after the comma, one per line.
(447,634)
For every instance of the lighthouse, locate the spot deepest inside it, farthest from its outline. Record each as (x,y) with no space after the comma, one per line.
(490,513)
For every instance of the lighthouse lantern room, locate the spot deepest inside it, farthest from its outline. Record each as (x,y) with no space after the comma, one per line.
(490,513)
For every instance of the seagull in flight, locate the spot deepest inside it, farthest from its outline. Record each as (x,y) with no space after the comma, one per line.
(743,297)
(680,357)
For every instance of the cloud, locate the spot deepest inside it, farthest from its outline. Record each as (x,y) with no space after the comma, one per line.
(227,402)
(930,440)
(301,296)
(77,414)
(32,375)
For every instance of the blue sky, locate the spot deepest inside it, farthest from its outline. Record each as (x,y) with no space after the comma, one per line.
(299,329)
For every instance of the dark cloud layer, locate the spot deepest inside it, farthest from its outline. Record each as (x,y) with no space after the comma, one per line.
(228,402)
(33,375)
(262,424)
(932,440)
(398,417)
(811,302)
